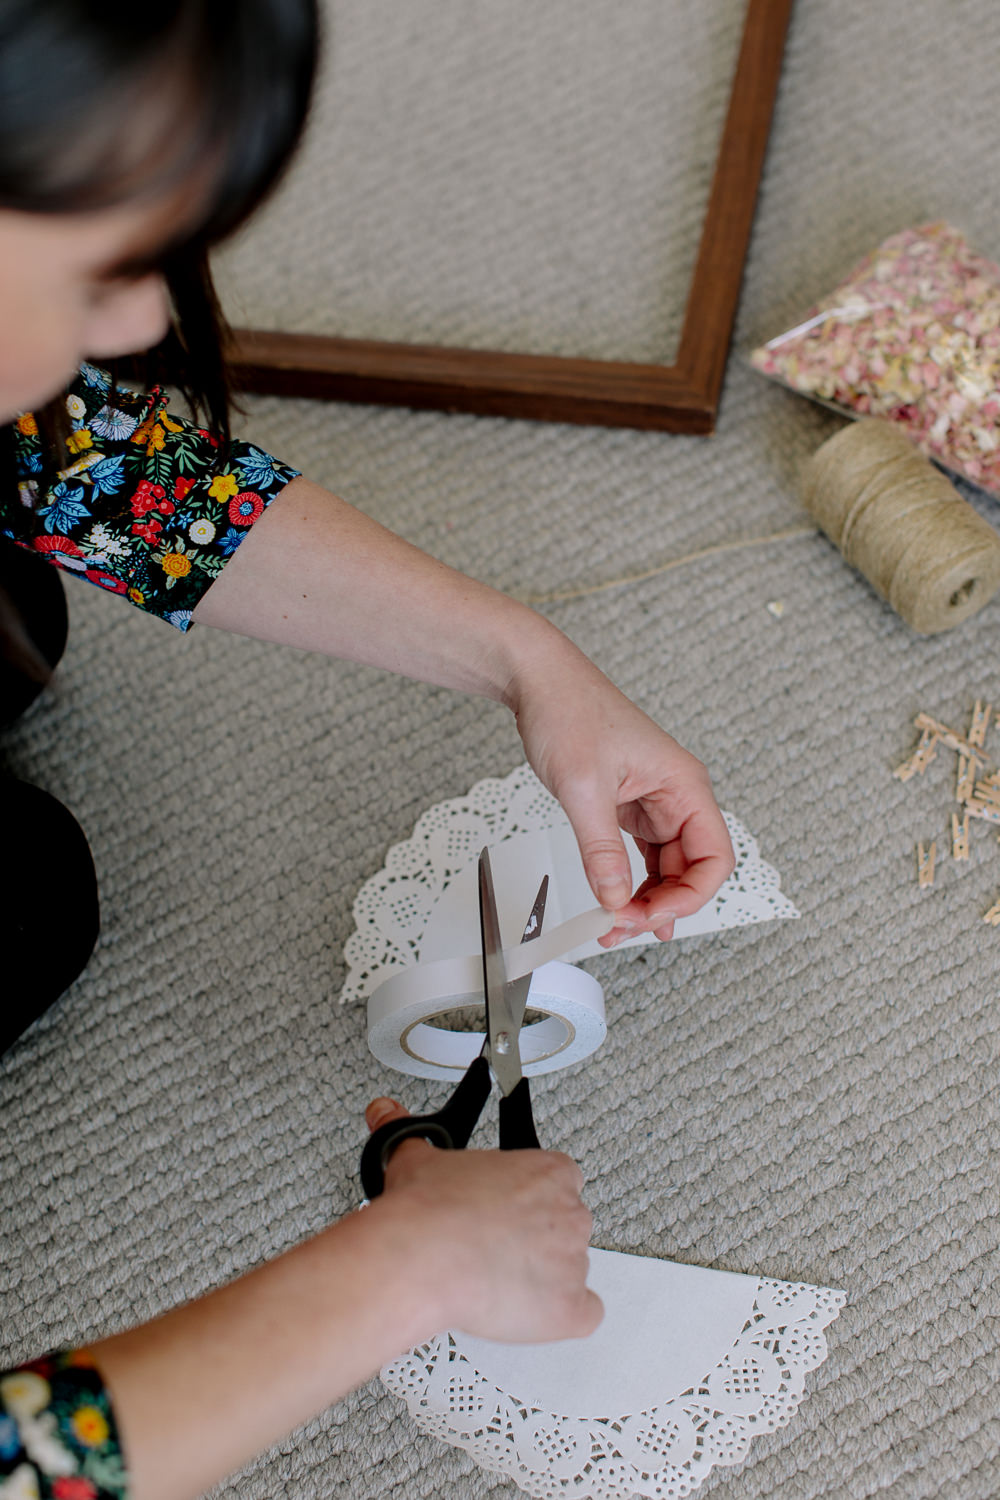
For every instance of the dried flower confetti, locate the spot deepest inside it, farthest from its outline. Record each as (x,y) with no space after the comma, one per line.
(912,335)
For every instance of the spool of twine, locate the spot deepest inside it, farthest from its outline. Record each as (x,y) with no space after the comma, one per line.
(900,522)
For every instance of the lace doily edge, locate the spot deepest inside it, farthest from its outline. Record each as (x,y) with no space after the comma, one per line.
(827,1304)
(491,797)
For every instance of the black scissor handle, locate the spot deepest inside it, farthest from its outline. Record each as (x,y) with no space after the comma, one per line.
(383,1142)
(517,1125)
(449,1129)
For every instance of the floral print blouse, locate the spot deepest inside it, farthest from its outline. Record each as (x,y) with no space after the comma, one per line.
(58,1439)
(145,508)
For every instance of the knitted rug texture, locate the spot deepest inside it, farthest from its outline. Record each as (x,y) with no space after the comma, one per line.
(811,1100)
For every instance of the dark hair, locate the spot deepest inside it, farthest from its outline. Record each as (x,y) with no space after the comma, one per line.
(108,103)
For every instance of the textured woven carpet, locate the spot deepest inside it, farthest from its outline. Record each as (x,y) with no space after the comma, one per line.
(813,1100)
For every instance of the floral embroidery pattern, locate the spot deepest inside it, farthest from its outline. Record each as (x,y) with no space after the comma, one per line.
(142,508)
(58,1439)
(913,335)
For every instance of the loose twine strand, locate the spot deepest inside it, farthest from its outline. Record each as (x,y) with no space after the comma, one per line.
(892,515)
(738,544)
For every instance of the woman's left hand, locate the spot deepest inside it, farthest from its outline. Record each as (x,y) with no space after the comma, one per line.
(613,768)
(318,574)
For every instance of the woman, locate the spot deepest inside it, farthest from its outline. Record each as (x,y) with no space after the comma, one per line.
(130,144)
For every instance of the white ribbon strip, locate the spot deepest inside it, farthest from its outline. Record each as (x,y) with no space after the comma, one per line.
(583,928)
(402,1010)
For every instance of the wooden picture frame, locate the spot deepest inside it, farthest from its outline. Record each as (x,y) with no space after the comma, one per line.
(682,397)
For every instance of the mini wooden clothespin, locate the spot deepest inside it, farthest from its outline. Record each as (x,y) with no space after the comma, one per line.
(980,722)
(987,791)
(959,837)
(920,759)
(993,915)
(967,768)
(925,865)
(988,811)
(949,737)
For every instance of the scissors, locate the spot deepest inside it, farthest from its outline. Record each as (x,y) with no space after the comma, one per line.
(451,1127)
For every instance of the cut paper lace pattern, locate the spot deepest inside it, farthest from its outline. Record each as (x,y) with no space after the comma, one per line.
(666,1451)
(392,908)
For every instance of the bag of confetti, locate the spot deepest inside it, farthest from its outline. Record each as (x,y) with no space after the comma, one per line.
(913,335)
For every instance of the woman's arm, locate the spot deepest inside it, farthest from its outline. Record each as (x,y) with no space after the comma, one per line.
(318,574)
(492,1242)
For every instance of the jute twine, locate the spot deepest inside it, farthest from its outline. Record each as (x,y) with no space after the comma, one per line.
(900,522)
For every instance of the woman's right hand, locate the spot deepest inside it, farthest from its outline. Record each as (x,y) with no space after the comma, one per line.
(500,1236)
(493,1242)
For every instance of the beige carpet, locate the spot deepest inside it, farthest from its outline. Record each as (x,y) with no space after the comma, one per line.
(813,1100)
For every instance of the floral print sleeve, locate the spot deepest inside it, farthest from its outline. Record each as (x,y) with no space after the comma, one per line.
(58,1439)
(144,508)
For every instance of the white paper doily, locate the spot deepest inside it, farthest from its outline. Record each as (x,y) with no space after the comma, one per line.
(394,909)
(669,1446)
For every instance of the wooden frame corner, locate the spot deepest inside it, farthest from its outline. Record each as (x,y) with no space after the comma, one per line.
(682,397)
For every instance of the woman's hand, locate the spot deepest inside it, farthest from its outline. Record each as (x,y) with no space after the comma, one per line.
(315,573)
(613,768)
(502,1236)
(494,1242)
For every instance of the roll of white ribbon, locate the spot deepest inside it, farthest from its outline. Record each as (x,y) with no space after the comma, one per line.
(403,1009)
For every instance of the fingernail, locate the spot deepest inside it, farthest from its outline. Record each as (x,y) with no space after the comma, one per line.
(377,1111)
(612,893)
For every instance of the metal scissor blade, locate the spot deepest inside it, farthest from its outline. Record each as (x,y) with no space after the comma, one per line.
(517,992)
(501,1027)
(533,926)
